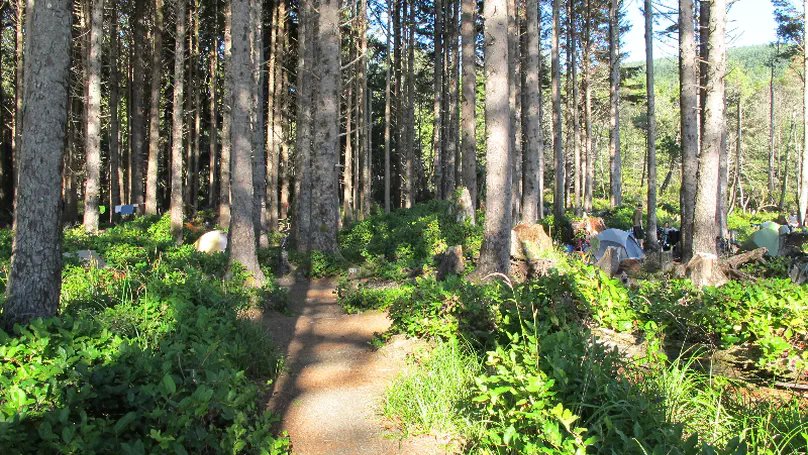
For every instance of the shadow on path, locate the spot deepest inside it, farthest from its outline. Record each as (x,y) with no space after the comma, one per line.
(333,380)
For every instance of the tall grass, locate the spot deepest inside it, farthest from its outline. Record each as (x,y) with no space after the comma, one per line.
(430,394)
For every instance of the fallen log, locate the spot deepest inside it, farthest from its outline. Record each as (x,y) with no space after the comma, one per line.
(738,260)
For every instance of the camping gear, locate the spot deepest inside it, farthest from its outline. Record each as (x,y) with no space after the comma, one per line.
(768,236)
(212,242)
(625,243)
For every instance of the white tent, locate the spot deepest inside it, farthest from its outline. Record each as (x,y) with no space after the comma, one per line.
(626,244)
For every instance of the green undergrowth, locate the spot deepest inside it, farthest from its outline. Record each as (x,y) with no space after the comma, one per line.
(151,355)
(548,387)
(396,245)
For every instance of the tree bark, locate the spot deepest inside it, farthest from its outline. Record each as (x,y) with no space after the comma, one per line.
(367,105)
(138,106)
(688,106)
(409,157)
(770,194)
(616,191)
(704,225)
(576,118)
(34,282)
(589,186)
(495,250)
(558,145)
(347,168)
(213,136)
(225,165)
(326,141)
(242,241)
(177,123)
(195,180)
(92,137)
(802,199)
(114,123)
(651,244)
(152,170)
(514,71)
(387,115)
(739,151)
(469,141)
(301,222)
(438,105)
(534,143)
(257,123)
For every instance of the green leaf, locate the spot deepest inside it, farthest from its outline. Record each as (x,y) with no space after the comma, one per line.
(67,433)
(125,421)
(46,431)
(169,384)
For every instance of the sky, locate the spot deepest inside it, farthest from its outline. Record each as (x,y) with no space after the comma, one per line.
(750,22)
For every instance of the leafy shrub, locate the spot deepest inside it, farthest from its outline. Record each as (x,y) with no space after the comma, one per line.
(152,358)
(358,298)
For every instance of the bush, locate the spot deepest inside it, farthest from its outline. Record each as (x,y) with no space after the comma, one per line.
(152,358)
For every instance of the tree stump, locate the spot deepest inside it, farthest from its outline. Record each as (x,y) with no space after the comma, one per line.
(704,270)
(610,262)
(451,262)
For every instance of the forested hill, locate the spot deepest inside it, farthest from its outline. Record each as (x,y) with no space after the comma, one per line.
(753,61)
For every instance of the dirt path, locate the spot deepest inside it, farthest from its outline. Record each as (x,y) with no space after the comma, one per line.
(329,394)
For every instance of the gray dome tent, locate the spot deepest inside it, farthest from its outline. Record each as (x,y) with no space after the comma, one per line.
(626,244)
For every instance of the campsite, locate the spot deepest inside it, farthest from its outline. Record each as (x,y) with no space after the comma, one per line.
(404,227)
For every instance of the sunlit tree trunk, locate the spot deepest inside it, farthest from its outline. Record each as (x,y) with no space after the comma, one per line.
(34,282)
(576,118)
(367,105)
(257,123)
(114,123)
(802,199)
(138,127)
(227,104)
(213,131)
(325,211)
(409,157)
(652,243)
(558,146)
(92,137)
(495,251)
(438,105)
(770,193)
(152,170)
(514,71)
(387,115)
(616,191)
(589,185)
(534,143)
(301,222)
(242,242)
(177,123)
(469,141)
(704,222)
(688,106)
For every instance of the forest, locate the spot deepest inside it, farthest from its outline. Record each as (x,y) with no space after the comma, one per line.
(402,227)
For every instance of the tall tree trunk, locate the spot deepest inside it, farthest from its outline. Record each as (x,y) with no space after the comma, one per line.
(787,161)
(704,225)
(272,143)
(152,171)
(387,115)
(652,243)
(114,123)
(616,192)
(225,166)
(301,222)
(326,136)
(723,181)
(366,100)
(347,174)
(409,160)
(802,199)
(495,251)
(197,126)
(177,123)
(576,118)
(558,145)
(688,106)
(534,143)
(589,186)
(282,82)
(19,88)
(257,123)
(449,150)
(213,129)
(469,142)
(242,242)
(138,106)
(437,140)
(514,71)
(398,94)
(36,261)
(92,137)
(739,151)
(770,194)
